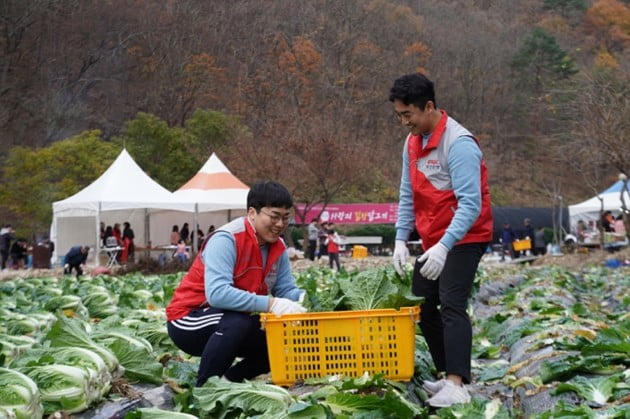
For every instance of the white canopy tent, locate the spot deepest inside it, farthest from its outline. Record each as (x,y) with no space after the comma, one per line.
(589,210)
(122,193)
(216,195)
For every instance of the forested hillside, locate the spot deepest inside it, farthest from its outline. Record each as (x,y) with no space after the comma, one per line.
(297,90)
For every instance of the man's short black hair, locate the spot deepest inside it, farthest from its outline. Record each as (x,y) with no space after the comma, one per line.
(413,89)
(268,194)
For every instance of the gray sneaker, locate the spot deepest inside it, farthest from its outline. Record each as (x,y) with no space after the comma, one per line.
(449,395)
(432,387)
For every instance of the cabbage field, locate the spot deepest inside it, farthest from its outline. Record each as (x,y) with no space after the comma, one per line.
(548,343)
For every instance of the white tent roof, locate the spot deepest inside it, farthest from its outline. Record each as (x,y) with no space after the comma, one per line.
(122,193)
(589,210)
(214,188)
(122,186)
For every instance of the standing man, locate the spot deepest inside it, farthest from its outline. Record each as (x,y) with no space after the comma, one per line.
(7,234)
(75,259)
(507,241)
(242,268)
(313,234)
(444,193)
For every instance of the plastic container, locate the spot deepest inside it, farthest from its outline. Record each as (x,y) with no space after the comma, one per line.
(613,263)
(359,252)
(524,244)
(348,343)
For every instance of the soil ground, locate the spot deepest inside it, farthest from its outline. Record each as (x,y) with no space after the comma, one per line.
(570,261)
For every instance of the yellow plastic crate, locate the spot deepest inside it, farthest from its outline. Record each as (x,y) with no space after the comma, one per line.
(359,252)
(519,245)
(347,343)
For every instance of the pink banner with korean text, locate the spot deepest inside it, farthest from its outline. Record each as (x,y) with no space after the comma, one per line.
(350,213)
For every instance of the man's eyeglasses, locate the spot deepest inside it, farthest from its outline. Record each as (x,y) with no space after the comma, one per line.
(276,218)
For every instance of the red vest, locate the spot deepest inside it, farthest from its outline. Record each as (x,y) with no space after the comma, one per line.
(249,274)
(332,247)
(434,200)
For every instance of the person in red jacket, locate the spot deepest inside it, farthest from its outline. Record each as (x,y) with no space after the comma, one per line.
(332,246)
(444,194)
(243,268)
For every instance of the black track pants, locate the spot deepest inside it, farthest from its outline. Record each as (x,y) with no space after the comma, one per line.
(444,322)
(218,337)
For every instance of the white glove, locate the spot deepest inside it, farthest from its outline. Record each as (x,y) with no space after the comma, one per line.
(282,306)
(401,253)
(434,260)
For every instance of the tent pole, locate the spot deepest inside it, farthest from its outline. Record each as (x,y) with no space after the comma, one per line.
(195,242)
(147,231)
(97,250)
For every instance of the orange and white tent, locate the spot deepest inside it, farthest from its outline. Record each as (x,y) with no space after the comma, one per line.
(214,188)
(216,195)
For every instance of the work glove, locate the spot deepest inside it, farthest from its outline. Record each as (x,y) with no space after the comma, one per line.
(401,253)
(282,306)
(434,260)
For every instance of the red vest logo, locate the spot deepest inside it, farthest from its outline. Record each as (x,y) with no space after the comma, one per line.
(432,165)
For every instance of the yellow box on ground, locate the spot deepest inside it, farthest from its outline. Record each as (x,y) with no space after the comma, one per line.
(359,252)
(348,343)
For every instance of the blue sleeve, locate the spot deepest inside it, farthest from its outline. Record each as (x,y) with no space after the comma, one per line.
(219,258)
(75,250)
(285,283)
(464,162)
(406,217)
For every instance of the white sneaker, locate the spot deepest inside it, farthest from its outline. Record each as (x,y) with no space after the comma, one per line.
(432,387)
(449,395)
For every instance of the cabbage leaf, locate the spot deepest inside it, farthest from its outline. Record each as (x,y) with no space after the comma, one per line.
(219,398)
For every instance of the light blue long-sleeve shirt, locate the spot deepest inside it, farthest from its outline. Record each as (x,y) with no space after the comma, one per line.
(464,161)
(219,258)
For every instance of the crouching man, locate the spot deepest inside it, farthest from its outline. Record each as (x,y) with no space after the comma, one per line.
(75,259)
(242,268)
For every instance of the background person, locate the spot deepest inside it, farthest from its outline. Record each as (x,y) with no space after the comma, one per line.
(181,253)
(528,229)
(212,312)
(540,247)
(608,222)
(507,241)
(75,259)
(117,233)
(7,234)
(332,246)
(19,251)
(322,236)
(313,234)
(174,239)
(619,226)
(129,247)
(445,194)
(184,233)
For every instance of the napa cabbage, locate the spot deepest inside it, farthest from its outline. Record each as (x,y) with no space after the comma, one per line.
(219,398)
(598,390)
(62,387)
(68,332)
(134,353)
(19,395)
